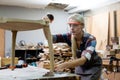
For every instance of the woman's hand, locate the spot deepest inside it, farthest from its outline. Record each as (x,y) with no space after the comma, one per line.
(61,67)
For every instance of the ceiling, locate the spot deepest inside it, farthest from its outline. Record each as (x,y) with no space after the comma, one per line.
(68,5)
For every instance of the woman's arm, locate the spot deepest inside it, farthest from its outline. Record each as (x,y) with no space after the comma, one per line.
(85,56)
(71,64)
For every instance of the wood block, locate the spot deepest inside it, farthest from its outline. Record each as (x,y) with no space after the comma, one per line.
(117,56)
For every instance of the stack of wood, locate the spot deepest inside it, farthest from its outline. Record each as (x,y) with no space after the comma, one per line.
(62,49)
(62,53)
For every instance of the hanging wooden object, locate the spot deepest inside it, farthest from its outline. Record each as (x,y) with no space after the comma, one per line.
(15,25)
(108,46)
(115,38)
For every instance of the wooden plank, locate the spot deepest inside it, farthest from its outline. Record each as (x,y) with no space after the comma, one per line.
(118,23)
(88,24)
(100,29)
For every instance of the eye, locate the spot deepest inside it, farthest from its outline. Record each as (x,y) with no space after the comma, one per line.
(73,25)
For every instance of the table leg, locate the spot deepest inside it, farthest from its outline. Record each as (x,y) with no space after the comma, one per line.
(49,38)
(14,33)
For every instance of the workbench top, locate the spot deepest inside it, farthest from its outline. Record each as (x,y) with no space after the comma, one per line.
(31,73)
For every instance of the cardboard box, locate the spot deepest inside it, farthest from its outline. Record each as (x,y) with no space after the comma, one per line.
(5,61)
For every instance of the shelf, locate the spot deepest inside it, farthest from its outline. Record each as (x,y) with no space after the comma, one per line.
(26,54)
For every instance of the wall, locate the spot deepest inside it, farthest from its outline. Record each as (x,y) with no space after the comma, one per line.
(98,22)
(58,26)
(112,7)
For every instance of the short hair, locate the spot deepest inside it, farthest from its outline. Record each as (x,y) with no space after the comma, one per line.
(77,17)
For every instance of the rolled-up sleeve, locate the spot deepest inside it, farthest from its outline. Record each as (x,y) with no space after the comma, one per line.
(90,47)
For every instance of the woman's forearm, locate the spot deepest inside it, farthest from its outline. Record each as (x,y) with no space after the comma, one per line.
(76,62)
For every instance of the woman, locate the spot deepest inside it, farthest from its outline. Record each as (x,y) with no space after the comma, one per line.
(86,61)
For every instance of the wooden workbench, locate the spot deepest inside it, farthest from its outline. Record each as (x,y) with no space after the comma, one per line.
(110,75)
(34,73)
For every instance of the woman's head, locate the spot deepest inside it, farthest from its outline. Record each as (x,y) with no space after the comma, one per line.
(76,23)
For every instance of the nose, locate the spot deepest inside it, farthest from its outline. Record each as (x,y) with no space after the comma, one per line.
(72,29)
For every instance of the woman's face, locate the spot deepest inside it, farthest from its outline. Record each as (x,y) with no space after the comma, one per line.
(76,29)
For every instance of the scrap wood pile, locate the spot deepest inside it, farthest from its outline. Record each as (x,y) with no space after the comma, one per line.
(62,53)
